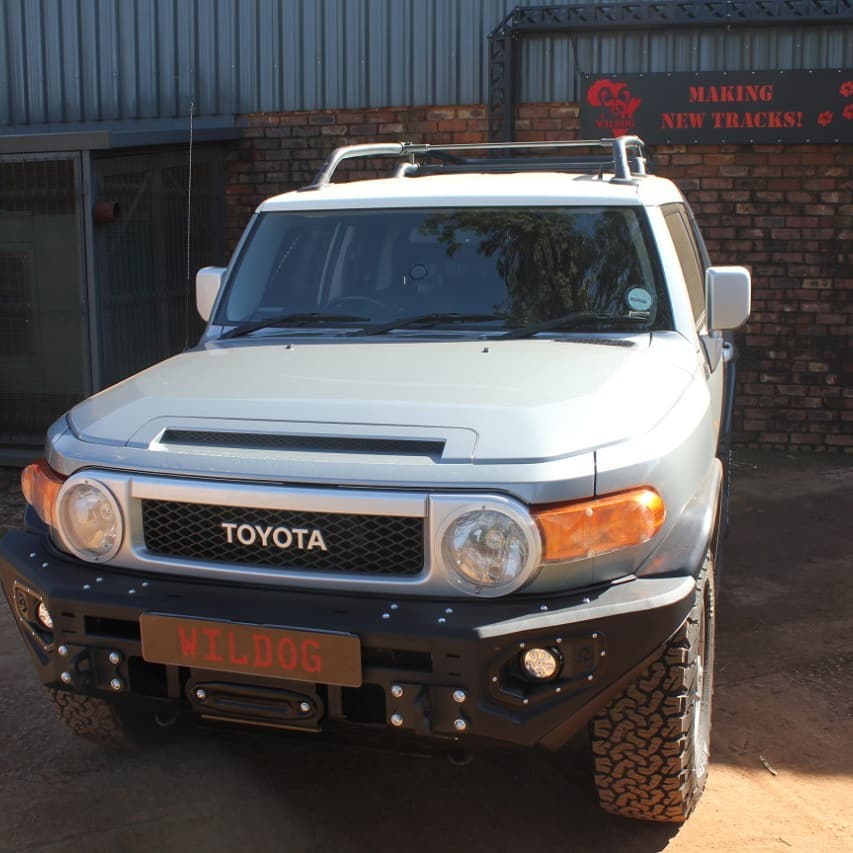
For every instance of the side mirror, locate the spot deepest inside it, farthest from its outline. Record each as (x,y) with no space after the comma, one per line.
(207,283)
(728,296)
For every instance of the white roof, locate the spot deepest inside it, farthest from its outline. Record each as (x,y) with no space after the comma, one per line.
(477,189)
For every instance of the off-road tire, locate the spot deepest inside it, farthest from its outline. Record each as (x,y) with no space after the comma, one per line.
(650,744)
(99,721)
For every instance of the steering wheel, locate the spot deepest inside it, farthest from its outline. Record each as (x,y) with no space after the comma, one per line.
(342,301)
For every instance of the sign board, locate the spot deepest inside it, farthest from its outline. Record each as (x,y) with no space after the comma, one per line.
(710,107)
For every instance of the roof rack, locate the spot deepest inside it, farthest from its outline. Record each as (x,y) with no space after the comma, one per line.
(627,159)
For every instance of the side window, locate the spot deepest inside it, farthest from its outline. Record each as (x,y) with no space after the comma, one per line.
(689,256)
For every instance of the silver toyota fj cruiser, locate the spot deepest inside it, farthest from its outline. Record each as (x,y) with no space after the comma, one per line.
(448,463)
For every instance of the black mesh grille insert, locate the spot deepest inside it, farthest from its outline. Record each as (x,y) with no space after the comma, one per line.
(355,544)
(319,443)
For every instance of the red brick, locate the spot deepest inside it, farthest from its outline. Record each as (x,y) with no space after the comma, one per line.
(441,115)
(449,125)
(532,110)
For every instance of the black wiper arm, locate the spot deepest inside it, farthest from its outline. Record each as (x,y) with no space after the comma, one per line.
(573,320)
(299,319)
(429,320)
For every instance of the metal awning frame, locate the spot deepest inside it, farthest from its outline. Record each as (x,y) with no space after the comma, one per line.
(506,39)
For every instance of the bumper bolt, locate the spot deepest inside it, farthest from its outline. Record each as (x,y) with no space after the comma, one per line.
(65,677)
(63,651)
(396,691)
(200,694)
(459,696)
(116,684)
(460,725)
(397,720)
(305,707)
(115,658)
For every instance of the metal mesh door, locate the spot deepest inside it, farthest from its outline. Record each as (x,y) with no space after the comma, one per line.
(42,360)
(146,311)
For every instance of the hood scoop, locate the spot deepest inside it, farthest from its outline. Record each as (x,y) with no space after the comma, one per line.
(210,439)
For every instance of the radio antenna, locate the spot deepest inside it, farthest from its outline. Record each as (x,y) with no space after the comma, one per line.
(188,305)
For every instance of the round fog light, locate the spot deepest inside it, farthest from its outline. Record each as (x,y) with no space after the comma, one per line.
(541,664)
(44,616)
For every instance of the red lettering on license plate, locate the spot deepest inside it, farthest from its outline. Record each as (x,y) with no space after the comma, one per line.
(218,645)
(331,658)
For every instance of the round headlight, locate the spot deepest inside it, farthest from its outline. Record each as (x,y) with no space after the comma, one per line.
(89,520)
(487,551)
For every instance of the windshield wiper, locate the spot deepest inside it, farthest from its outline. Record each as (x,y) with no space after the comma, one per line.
(428,320)
(300,319)
(572,321)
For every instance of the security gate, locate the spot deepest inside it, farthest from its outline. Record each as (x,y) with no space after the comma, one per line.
(43,358)
(93,274)
(146,309)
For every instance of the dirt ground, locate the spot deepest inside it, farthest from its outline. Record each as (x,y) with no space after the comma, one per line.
(782,763)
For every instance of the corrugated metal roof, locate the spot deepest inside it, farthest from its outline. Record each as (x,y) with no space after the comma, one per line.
(550,64)
(80,61)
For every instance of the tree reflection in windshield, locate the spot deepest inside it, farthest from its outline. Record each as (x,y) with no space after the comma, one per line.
(552,262)
(530,265)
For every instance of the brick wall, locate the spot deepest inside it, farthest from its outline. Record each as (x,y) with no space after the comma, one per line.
(280,152)
(786,212)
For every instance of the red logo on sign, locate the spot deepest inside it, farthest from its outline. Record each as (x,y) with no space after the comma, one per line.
(617,105)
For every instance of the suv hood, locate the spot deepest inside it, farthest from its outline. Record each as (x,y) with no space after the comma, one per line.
(486,400)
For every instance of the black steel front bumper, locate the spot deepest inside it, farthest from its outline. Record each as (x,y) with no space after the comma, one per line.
(446,670)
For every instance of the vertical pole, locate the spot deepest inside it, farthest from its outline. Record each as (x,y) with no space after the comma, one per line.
(88,268)
(501,85)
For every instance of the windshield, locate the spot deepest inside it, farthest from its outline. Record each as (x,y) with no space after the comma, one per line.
(495,268)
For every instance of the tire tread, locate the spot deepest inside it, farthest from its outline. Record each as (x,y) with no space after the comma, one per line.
(641,744)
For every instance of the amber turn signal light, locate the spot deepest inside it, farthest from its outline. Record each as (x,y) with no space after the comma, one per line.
(40,485)
(590,528)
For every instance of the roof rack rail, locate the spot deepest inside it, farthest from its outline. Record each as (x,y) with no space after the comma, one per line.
(627,158)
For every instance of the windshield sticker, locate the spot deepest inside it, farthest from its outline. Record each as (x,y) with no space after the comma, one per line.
(639,299)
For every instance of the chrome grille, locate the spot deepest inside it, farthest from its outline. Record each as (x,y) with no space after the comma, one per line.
(383,545)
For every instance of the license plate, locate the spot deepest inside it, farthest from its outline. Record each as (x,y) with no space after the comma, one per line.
(316,656)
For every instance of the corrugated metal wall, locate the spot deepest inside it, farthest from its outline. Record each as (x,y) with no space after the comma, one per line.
(104,60)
